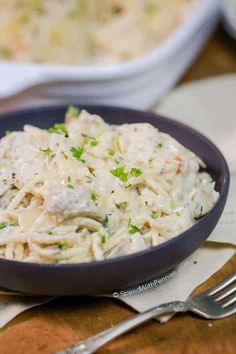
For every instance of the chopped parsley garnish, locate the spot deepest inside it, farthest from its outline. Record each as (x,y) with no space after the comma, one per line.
(90,140)
(46,151)
(120,173)
(102,238)
(136,171)
(154,215)
(93,142)
(172,204)
(58,128)
(105,222)
(146,202)
(69,185)
(77,152)
(3,225)
(72,112)
(132,229)
(7,132)
(118,205)
(49,232)
(111,152)
(178,213)
(94,198)
(61,245)
(129,186)
(158,146)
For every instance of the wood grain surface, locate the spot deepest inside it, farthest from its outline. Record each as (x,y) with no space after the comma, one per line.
(65,321)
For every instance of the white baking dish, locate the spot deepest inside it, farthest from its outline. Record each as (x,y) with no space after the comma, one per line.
(137,83)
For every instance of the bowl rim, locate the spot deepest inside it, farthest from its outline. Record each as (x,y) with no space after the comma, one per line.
(136,66)
(113,261)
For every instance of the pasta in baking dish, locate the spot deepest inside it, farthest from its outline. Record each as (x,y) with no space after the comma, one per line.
(94,32)
(86,190)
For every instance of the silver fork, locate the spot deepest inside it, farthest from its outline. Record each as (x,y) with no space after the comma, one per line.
(215,303)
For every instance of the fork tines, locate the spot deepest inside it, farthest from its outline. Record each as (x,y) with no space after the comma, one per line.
(225,291)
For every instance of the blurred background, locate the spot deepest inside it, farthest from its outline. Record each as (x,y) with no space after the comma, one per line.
(119,52)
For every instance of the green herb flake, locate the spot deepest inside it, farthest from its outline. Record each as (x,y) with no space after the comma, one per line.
(102,239)
(72,112)
(172,204)
(120,173)
(154,215)
(77,152)
(132,229)
(136,172)
(46,151)
(94,198)
(146,202)
(178,213)
(159,146)
(49,232)
(111,152)
(3,224)
(69,185)
(58,128)
(105,222)
(93,142)
(118,205)
(61,245)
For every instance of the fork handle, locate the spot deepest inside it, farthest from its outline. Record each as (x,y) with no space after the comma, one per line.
(93,343)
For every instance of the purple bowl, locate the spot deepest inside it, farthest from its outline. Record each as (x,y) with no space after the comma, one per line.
(126,271)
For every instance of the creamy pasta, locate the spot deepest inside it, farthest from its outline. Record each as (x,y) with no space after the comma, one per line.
(86,31)
(86,190)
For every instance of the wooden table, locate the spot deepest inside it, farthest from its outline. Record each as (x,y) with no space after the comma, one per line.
(67,320)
